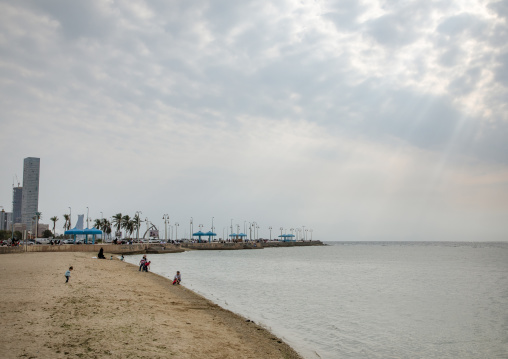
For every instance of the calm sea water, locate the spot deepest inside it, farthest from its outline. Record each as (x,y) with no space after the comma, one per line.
(362,300)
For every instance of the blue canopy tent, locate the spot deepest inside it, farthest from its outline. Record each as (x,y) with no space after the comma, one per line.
(238,235)
(210,234)
(93,231)
(86,231)
(286,236)
(74,232)
(199,234)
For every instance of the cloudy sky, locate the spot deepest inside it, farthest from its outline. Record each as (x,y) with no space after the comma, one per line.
(361,120)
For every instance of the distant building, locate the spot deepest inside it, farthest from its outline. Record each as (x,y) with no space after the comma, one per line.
(41,228)
(79,223)
(17,198)
(5,220)
(21,227)
(30,193)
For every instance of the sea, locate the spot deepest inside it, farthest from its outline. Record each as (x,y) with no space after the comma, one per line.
(361,299)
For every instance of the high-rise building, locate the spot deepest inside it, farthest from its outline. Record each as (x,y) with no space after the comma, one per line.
(30,194)
(17,198)
(5,220)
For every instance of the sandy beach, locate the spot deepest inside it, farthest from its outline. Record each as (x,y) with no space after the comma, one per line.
(110,309)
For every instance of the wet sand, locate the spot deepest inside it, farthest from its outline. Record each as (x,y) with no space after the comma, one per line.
(111,310)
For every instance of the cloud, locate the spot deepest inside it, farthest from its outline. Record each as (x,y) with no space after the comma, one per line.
(356,112)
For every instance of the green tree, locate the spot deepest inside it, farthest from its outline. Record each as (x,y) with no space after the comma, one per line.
(67,224)
(107,227)
(117,221)
(54,220)
(126,223)
(47,233)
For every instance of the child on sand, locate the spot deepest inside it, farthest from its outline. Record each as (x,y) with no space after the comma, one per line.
(68,274)
(178,278)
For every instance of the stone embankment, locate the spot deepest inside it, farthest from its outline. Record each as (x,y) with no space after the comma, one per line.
(153,248)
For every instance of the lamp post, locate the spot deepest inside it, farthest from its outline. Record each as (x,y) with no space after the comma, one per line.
(176,230)
(190,235)
(138,223)
(70,218)
(281,229)
(306,234)
(165,217)
(250,231)
(270,228)
(231,226)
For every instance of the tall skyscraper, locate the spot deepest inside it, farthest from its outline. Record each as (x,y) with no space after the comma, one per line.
(17,198)
(30,196)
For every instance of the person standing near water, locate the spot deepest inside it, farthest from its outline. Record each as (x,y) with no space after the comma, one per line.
(142,263)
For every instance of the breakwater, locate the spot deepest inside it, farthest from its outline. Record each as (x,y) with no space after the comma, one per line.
(154,247)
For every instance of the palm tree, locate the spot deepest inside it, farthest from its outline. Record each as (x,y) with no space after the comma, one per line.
(67,224)
(117,221)
(126,222)
(38,216)
(98,223)
(54,219)
(106,227)
(131,227)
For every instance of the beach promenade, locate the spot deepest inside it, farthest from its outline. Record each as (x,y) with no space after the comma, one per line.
(111,310)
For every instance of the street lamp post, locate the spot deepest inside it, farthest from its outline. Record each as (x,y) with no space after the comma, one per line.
(70,218)
(138,223)
(270,228)
(281,229)
(165,217)
(176,227)
(231,226)
(87,213)
(191,226)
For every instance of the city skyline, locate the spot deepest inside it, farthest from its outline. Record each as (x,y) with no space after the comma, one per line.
(364,120)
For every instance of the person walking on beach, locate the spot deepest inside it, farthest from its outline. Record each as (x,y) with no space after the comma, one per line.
(142,263)
(68,274)
(178,278)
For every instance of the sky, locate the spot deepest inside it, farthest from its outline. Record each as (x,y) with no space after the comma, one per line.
(360,120)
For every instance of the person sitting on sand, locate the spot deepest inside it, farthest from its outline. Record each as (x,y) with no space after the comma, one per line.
(142,263)
(178,278)
(101,254)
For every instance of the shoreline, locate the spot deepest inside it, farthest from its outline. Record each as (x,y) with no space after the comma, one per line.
(110,309)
